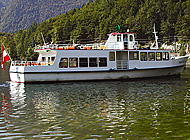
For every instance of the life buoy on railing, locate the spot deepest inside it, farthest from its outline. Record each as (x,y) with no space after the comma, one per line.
(102,47)
(43,64)
(71,47)
(60,48)
(87,48)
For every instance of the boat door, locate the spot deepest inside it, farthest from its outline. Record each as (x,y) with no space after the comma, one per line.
(125,40)
(122,59)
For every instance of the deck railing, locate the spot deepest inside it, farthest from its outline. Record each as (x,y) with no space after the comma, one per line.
(30,63)
(71,46)
(122,64)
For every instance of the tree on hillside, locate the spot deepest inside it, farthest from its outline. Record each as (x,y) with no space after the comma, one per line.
(96,19)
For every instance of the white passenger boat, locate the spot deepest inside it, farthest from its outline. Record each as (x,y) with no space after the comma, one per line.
(119,58)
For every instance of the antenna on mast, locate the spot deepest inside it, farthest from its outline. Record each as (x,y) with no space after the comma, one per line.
(156,37)
(43,39)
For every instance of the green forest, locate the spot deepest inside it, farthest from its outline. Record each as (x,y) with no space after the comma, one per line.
(97,18)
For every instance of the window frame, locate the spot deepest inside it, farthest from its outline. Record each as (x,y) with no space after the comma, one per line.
(158,58)
(43,59)
(93,63)
(131,38)
(83,64)
(76,62)
(132,54)
(104,62)
(119,38)
(53,58)
(151,58)
(62,61)
(164,56)
(143,58)
(111,56)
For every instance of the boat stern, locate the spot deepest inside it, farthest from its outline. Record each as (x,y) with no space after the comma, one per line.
(16,73)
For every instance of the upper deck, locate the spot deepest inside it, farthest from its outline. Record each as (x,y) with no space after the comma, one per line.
(123,45)
(115,41)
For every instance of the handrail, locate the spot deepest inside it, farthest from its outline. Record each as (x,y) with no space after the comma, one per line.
(31,63)
(71,46)
(122,64)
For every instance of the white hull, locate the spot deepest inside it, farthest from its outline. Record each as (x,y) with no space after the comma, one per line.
(94,75)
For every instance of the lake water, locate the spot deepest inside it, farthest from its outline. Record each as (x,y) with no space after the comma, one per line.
(136,109)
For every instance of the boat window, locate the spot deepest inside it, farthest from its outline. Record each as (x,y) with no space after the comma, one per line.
(112,56)
(118,38)
(52,59)
(165,56)
(43,59)
(83,62)
(63,63)
(143,56)
(125,37)
(93,62)
(151,56)
(159,56)
(73,62)
(103,62)
(131,38)
(48,59)
(133,56)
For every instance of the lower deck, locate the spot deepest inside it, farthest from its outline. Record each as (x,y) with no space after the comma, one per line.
(67,60)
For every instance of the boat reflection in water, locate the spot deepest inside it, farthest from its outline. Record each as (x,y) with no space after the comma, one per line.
(17,92)
(135,109)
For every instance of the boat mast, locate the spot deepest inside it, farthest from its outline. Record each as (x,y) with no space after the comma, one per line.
(43,39)
(156,37)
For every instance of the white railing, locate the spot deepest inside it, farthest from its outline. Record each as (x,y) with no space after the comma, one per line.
(30,63)
(122,64)
(72,46)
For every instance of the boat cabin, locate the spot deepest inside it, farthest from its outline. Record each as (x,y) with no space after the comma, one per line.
(106,59)
(121,41)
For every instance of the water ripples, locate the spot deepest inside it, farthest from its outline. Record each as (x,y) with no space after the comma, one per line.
(95,110)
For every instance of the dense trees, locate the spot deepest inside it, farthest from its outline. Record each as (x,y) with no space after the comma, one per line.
(96,19)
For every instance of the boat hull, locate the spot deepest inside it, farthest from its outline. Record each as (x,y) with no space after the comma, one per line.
(94,75)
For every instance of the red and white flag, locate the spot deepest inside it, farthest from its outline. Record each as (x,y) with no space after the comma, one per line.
(187,49)
(4,57)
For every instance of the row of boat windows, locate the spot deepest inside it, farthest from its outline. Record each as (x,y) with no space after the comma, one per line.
(102,61)
(149,56)
(83,62)
(125,37)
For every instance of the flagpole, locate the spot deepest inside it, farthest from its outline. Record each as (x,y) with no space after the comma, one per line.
(7,52)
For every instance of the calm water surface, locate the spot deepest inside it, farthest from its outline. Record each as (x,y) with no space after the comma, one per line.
(137,109)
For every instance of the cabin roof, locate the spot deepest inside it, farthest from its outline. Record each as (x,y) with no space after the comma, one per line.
(115,33)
